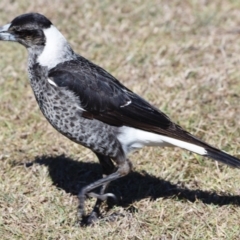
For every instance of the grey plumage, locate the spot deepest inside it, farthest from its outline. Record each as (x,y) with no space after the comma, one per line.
(61,108)
(89,106)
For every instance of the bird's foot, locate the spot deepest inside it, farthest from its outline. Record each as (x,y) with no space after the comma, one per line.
(95,214)
(90,219)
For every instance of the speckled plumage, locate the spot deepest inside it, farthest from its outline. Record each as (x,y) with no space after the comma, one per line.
(62,109)
(91,107)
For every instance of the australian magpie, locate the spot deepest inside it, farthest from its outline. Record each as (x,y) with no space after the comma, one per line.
(91,107)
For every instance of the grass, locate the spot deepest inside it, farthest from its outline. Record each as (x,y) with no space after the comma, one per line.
(182,56)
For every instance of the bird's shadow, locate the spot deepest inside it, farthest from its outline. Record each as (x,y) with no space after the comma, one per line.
(72,175)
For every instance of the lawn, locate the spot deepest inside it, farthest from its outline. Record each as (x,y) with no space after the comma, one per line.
(183,56)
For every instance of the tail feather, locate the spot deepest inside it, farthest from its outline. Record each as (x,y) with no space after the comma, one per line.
(208,150)
(132,139)
(204,149)
(223,157)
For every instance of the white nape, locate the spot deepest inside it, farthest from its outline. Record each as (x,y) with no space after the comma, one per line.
(56,48)
(133,139)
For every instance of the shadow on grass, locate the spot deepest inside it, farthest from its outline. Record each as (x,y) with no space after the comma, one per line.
(72,175)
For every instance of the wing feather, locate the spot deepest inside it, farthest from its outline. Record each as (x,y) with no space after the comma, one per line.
(104,98)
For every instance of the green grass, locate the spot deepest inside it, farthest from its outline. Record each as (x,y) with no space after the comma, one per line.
(182,56)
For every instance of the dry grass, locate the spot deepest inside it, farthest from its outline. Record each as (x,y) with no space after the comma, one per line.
(181,55)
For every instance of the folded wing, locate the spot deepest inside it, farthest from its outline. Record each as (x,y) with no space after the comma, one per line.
(104,98)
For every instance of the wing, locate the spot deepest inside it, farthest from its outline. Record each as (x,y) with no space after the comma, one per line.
(104,98)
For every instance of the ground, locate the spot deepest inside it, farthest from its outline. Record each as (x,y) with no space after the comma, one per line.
(183,57)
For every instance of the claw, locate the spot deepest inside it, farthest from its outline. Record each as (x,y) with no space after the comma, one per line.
(101,197)
(81,208)
(93,218)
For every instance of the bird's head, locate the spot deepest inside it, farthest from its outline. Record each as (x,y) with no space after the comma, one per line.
(27,29)
(40,37)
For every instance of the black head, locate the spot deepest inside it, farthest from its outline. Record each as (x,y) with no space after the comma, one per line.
(30,21)
(26,29)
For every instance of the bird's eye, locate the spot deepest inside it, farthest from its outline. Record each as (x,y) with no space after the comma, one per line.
(14,28)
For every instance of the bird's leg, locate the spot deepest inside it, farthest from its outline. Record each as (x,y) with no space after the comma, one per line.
(123,168)
(107,168)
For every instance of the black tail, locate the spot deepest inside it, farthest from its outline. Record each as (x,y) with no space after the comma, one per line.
(211,151)
(223,157)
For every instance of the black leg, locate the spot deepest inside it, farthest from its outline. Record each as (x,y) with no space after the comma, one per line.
(123,168)
(107,168)
(106,163)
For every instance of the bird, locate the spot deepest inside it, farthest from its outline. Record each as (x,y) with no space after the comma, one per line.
(91,107)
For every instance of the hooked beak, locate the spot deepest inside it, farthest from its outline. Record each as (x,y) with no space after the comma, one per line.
(5,35)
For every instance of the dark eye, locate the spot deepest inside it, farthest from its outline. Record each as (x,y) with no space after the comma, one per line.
(15,28)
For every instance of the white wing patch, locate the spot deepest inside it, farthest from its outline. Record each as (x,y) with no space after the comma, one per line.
(52,82)
(82,109)
(126,104)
